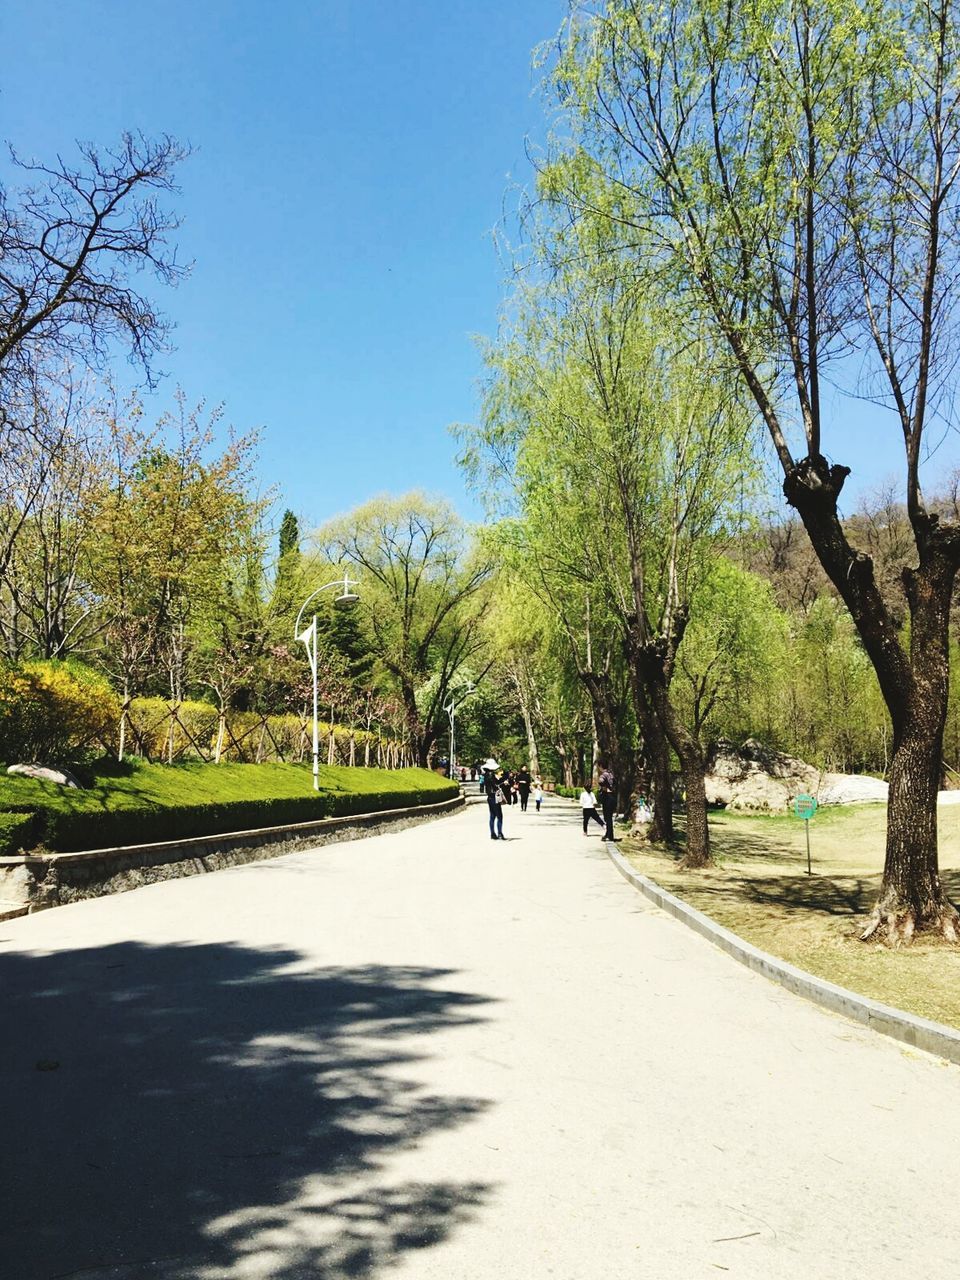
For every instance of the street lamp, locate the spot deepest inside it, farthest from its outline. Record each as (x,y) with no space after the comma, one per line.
(308,637)
(451,708)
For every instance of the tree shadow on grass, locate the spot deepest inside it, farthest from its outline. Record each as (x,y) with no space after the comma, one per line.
(847,896)
(217,1111)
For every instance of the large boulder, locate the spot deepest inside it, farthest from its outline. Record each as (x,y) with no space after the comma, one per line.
(44,774)
(762,794)
(759,778)
(754,776)
(851,788)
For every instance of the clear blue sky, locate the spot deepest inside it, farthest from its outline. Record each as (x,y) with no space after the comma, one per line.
(352,157)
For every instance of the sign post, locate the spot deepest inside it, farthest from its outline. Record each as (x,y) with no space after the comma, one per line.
(805,807)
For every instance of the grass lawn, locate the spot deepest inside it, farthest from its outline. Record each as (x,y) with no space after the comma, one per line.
(140,802)
(761,891)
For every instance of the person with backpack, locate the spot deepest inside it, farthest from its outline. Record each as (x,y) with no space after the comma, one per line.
(495,797)
(608,799)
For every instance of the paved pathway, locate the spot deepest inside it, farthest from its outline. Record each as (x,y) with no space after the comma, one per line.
(427,1055)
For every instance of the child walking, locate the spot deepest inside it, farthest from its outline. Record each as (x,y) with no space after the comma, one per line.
(588,803)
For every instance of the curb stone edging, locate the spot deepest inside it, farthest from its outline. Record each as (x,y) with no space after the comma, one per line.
(920,1033)
(39,882)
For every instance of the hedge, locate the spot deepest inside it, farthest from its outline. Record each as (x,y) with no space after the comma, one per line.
(147,803)
(16,832)
(570,793)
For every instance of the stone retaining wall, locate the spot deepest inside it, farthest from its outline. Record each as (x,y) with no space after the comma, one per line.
(33,883)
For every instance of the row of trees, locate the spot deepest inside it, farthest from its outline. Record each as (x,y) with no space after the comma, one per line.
(145,551)
(738,198)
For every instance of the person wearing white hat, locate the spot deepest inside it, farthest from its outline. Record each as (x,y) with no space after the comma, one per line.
(491,786)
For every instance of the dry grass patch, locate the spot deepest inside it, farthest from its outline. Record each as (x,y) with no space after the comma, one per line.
(760,890)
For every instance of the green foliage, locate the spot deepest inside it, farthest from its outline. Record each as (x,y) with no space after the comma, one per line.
(148,803)
(16,833)
(289,535)
(422,596)
(55,713)
(833,707)
(734,657)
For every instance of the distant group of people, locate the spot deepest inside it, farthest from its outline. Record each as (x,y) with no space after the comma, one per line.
(502,787)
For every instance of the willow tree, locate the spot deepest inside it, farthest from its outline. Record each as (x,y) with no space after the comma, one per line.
(541,532)
(795,164)
(628,459)
(647,437)
(423,590)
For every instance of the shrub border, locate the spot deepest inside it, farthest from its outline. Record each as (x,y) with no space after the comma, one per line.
(57,879)
(920,1033)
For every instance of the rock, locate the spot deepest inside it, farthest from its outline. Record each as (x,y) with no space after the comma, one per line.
(851,788)
(759,778)
(762,794)
(43,774)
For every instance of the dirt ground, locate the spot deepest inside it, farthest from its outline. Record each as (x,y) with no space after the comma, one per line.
(760,888)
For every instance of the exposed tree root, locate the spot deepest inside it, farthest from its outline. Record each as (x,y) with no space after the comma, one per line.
(896,925)
(699,865)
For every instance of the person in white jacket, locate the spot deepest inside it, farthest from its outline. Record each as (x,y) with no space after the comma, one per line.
(588,803)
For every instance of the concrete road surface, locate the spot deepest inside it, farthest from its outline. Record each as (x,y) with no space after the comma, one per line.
(430,1055)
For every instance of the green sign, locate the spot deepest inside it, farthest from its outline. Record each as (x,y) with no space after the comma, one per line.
(805,807)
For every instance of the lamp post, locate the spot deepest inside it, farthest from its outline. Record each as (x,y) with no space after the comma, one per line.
(451,709)
(308,637)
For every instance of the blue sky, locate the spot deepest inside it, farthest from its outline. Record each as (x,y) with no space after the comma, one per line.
(351,160)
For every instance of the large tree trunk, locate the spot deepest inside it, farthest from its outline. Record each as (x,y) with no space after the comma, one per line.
(914,688)
(692,766)
(606,746)
(657,752)
(533,754)
(652,660)
(421,737)
(911,894)
(521,685)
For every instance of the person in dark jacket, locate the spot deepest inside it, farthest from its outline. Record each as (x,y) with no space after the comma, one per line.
(505,778)
(523,786)
(490,780)
(608,798)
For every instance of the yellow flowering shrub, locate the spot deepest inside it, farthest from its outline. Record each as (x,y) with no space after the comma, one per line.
(55,712)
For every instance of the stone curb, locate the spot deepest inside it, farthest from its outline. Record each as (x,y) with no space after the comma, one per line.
(58,879)
(933,1037)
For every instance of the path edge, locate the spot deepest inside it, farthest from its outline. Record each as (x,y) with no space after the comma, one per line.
(919,1033)
(31,882)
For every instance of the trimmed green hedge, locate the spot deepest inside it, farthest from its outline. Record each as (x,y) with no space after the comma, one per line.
(569,793)
(16,832)
(145,803)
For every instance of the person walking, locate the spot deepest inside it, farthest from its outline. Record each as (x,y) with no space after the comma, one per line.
(495,798)
(608,799)
(538,794)
(588,803)
(505,779)
(523,786)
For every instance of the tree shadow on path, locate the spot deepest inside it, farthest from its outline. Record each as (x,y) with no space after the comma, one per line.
(210,1111)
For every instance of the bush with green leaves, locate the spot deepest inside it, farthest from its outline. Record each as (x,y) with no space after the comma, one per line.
(138,803)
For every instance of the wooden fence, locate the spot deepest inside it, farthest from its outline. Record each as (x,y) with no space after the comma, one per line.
(184,731)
